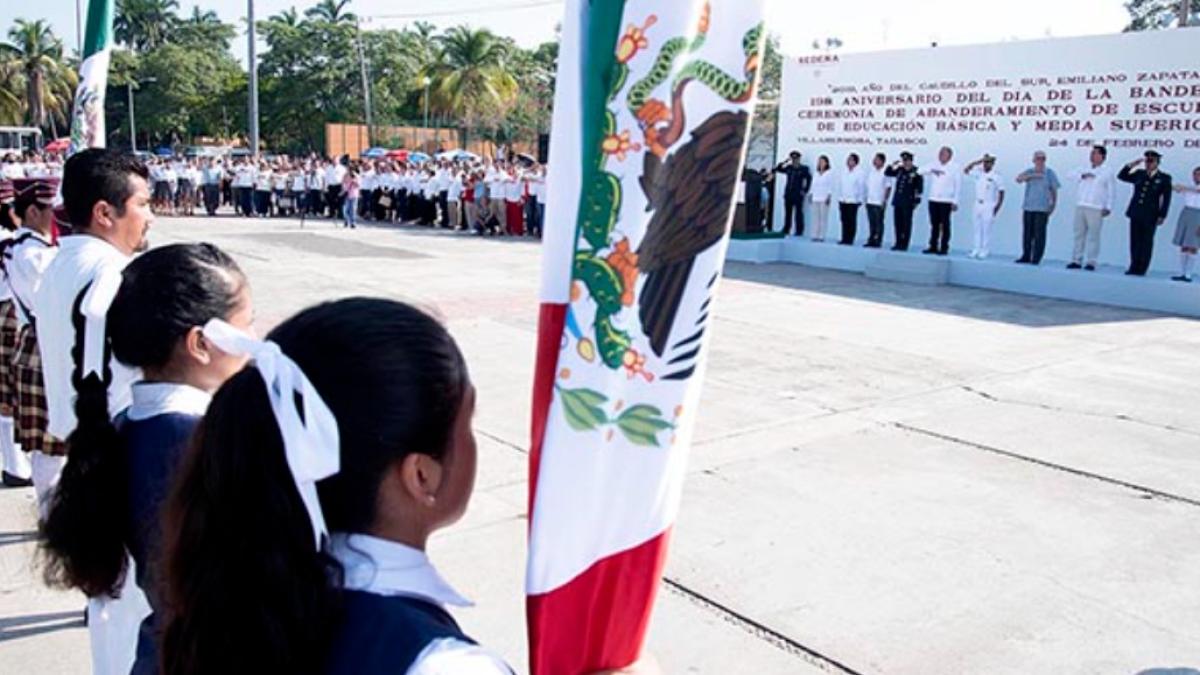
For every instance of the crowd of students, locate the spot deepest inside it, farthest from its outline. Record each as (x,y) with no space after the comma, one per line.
(228,504)
(488,197)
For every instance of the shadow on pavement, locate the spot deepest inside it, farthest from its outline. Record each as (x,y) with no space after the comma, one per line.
(8,538)
(17,627)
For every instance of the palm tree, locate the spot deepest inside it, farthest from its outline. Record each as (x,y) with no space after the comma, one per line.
(421,43)
(204,29)
(470,77)
(288,18)
(49,80)
(143,25)
(330,11)
(12,83)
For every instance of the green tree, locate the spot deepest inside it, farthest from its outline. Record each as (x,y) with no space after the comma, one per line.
(1156,14)
(143,25)
(185,90)
(308,76)
(471,76)
(331,11)
(529,114)
(205,30)
(49,79)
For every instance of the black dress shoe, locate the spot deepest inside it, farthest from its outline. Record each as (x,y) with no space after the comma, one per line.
(1090,268)
(1186,280)
(929,251)
(12,481)
(943,253)
(1023,261)
(1074,266)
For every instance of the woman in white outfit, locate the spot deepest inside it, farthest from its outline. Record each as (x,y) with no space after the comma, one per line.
(822,196)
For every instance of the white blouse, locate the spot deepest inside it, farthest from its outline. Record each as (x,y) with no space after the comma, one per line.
(384,567)
(822,186)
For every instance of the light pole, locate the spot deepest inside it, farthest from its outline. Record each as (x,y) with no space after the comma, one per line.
(426,81)
(366,86)
(250,36)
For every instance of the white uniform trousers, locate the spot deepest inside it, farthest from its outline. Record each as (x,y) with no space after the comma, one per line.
(820,220)
(1088,222)
(985,216)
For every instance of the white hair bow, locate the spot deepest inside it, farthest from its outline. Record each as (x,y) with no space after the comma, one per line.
(310,434)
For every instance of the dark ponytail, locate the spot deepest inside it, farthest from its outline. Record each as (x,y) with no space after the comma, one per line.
(245,589)
(163,294)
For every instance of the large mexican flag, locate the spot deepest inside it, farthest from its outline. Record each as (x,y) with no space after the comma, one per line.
(87,116)
(652,112)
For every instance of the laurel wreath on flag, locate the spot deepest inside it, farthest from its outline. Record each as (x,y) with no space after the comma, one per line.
(640,424)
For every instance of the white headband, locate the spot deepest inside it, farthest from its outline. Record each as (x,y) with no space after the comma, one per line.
(310,437)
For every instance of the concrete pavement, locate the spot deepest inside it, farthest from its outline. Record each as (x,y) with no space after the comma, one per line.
(886,478)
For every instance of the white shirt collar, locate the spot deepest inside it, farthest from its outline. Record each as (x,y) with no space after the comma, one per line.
(151,399)
(386,567)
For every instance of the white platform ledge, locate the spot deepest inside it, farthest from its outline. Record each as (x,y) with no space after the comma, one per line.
(1106,286)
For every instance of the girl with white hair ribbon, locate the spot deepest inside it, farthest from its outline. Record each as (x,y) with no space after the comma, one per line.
(106,507)
(299,524)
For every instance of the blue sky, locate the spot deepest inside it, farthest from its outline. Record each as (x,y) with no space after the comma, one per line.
(861,24)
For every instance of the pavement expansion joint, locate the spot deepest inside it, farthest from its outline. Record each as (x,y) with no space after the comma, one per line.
(758,630)
(1049,465)
(1120,417)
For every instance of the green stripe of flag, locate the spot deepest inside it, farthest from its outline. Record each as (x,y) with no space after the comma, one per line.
(601,29)
(98,34)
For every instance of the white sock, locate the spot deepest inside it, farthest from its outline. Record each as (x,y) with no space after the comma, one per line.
(1186,262)
(15,461)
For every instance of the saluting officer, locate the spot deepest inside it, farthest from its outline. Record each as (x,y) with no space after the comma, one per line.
(799,180)
(905,198)
(1147,208)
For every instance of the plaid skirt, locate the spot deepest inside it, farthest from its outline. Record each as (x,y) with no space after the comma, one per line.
(32,416)
(8,351)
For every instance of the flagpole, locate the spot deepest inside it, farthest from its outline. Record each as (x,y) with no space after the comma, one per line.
(253,65)
(87,113)
(78,29)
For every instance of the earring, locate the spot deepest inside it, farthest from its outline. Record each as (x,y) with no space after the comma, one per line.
(430,499)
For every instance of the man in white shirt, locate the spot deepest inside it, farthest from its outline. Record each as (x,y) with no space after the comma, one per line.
(498,207)
(211,185)
(316,190)
(107,200)
(1095,199)
(944,184)
(334,174)
(879,192)
(853,193)
(243,187)
(989,199)
(263,180)
(538,189)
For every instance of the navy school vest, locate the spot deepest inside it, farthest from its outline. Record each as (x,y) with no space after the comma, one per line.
(386,634)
